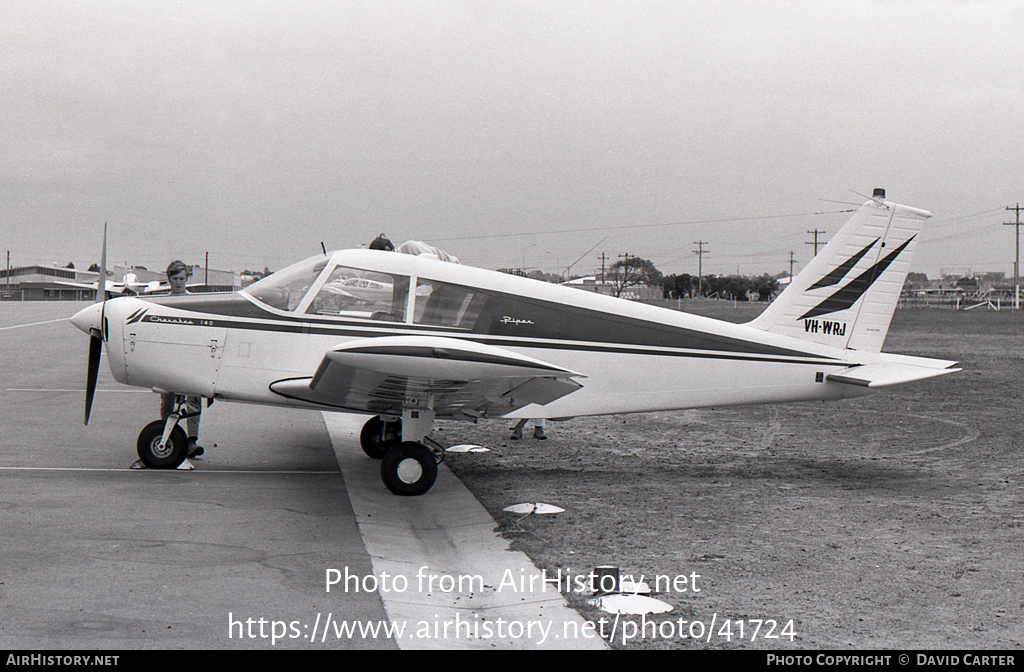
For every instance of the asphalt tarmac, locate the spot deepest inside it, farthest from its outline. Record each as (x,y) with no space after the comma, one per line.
(94,555)
(234,554)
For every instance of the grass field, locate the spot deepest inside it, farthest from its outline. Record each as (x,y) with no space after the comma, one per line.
(893,520)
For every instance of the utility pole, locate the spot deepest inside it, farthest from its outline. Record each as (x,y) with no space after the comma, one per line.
(603,258)
(206,275)
(621,285)
(1016,259)
(791,262)
(815,243)
(700,252)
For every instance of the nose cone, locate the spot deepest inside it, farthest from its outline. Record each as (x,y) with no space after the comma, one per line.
(88,319)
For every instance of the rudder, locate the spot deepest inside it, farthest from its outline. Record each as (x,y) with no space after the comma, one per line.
(847,295)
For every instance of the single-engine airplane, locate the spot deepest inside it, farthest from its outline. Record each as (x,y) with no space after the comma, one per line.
(430,339)
(129,285)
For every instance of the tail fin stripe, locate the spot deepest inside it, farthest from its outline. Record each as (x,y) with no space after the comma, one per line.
(848,295)
(858,304)
(840,271)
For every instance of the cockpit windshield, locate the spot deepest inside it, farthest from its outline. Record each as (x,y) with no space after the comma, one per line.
(347,292)
(285,288)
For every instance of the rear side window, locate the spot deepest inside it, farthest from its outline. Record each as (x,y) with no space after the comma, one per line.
(438,303)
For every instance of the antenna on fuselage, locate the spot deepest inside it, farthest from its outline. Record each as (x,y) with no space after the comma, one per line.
(323,247)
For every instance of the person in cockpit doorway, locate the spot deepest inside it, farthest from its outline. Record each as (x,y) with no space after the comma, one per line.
(382,243)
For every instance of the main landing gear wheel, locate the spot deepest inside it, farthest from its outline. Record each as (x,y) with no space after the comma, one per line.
(378,437)
(168,457)
(409,469)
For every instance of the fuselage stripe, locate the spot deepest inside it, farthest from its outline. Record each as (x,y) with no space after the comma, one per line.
(360,331)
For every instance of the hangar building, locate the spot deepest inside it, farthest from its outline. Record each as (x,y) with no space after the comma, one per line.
(54,283)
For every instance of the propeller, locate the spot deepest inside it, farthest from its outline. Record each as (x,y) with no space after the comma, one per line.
(96,334)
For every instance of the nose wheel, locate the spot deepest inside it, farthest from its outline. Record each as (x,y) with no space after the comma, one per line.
(157,453)
(163,444)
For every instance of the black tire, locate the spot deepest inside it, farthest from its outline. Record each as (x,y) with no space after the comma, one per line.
(174,452)
(409,469)
(378,437)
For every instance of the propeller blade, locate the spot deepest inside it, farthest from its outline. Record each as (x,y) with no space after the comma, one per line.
(101,286)
(95,349)
(96,339)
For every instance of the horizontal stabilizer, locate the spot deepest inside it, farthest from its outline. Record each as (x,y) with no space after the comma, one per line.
(886,375)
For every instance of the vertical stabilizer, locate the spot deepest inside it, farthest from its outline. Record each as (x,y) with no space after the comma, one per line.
(846,296)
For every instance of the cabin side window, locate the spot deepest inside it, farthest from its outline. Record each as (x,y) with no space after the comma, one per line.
(353,292)
(438,303)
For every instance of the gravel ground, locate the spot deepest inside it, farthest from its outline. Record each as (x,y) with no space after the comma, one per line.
(890,521)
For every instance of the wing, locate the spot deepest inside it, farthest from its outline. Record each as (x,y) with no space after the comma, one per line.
(463,379)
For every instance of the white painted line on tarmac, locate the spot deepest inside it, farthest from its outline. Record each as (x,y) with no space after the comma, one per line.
(60,389)
(35,324)
(173,471)
(434,540)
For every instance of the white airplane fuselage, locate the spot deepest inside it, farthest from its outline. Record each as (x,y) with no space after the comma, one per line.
(631,357)
(406,339)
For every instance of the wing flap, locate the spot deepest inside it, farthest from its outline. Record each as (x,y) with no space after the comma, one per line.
(886,375)
(458,378)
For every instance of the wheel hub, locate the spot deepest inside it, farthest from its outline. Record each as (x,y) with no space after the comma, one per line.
(410,470)
(159,451)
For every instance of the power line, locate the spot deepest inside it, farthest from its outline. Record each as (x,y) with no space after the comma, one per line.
(569,267)
(956,226)
(639,226)
(927,236)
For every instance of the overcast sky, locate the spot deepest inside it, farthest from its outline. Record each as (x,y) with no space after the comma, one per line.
(257,130)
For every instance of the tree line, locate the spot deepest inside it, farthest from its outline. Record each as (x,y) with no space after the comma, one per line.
(633,271)
(731,287)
